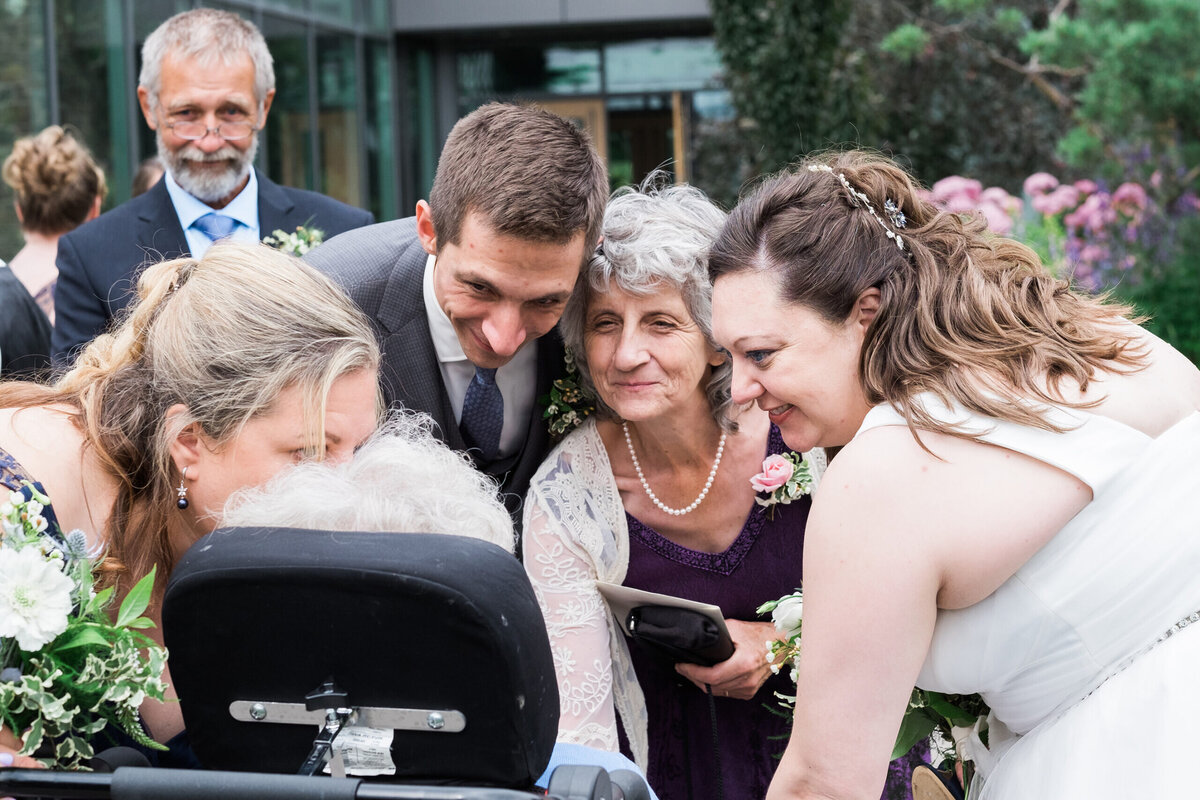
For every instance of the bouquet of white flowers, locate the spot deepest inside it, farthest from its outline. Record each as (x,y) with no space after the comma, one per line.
(67,669)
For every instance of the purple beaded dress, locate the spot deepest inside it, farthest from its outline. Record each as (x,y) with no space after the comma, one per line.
(764,563)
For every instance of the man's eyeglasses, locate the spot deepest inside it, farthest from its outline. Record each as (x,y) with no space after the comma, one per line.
(229,131)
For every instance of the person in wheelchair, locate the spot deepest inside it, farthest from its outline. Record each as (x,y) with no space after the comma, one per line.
(404,479)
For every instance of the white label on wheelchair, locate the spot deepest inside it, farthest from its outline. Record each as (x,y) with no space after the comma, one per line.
(365,751)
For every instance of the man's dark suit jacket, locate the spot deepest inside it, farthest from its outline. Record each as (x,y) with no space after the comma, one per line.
(383,269)
(99,261)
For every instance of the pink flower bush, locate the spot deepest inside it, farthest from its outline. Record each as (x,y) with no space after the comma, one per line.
(1056,202)
(961,195)
(1094,215)
(1040,183)
(776,472)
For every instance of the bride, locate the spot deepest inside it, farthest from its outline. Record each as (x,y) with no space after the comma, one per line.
(1013,511)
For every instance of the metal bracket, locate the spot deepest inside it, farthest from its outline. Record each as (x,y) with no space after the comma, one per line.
(400,719)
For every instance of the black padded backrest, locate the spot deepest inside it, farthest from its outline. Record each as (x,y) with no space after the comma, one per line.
(397,620)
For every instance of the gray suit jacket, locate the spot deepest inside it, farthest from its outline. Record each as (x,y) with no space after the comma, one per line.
(382,267)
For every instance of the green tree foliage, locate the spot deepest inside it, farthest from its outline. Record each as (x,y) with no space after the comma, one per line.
(1142,76)
(928,80)
(948,96)
(796,85)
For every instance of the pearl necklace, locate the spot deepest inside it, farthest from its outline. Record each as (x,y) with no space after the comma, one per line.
(676,512)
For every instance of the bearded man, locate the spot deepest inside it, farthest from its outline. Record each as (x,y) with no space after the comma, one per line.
(205,89)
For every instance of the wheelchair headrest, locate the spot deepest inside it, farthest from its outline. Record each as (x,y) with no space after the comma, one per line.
(398,621)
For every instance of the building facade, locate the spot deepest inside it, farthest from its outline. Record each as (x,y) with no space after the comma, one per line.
(367,90)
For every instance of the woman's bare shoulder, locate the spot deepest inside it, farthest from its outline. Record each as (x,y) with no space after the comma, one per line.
(1150,399)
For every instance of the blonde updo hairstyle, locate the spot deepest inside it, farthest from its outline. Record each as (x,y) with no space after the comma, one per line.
(970,317)
(55,179)
(223,335)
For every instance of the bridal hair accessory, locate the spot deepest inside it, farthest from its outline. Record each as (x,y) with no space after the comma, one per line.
(182,502)
(676,512)
(857,198)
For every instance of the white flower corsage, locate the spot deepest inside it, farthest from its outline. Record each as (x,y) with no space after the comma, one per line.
(296,243)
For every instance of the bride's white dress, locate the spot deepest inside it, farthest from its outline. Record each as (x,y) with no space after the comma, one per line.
(1088,654)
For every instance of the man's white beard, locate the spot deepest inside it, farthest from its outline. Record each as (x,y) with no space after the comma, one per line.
(208,186)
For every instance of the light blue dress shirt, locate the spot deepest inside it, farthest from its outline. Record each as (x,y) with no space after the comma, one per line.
(243,209)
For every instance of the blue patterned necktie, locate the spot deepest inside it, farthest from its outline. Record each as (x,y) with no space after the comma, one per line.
(483,414)
(215,226)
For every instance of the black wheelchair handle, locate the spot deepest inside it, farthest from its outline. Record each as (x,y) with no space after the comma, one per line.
(139,783)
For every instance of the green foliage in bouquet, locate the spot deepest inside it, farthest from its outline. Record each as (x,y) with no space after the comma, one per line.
(67,668)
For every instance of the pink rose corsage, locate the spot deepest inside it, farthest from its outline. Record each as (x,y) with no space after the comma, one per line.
(785,477)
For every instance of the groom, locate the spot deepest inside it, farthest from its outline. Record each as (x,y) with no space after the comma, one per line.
(465,294)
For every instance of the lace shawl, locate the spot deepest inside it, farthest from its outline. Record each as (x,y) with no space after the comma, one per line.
(576,534)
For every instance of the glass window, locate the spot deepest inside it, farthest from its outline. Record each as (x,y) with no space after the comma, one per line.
(721,157)
(505,72)
(375,16)
(24,104)
(662,65)
(380,132)
(338,122)
(339,12)
(289,132)
(94,90)
(421,141)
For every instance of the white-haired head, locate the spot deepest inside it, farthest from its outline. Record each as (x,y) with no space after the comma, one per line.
(205,35)
(403,480)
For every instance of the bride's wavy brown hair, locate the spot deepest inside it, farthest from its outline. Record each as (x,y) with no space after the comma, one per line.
(972,318)
(223,335)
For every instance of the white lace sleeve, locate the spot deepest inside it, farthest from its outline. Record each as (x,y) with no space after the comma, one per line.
(575,534)
(577,622)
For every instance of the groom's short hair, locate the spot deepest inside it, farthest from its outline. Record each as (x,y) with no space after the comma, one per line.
(531,174)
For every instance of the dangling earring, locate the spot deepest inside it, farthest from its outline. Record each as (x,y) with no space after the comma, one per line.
(182,502)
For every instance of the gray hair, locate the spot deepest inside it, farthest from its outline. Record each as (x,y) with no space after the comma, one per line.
(653,236)
(402,480)
(206,34)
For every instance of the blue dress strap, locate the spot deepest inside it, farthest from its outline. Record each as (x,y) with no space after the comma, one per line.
(14,478)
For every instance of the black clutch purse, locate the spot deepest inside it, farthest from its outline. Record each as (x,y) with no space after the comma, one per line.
(679,635)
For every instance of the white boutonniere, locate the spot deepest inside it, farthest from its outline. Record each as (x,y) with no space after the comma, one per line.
(296,243)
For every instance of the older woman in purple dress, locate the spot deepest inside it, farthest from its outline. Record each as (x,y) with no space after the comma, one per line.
(653,492)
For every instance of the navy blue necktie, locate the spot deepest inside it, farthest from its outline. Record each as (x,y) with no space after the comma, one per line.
(483,414)
(215,226)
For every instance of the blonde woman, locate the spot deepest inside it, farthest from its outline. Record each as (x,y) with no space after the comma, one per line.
(229,368)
